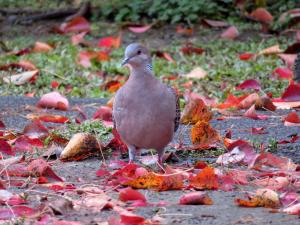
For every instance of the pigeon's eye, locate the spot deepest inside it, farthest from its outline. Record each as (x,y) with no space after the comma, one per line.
(139,52)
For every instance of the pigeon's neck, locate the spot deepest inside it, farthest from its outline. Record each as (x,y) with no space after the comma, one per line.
(143,71)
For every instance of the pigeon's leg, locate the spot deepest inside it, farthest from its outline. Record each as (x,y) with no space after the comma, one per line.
(160,153)
(131,152)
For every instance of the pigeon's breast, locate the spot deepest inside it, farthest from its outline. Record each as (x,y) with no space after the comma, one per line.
(144,117)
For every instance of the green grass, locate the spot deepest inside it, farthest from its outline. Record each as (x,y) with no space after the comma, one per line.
(220,60)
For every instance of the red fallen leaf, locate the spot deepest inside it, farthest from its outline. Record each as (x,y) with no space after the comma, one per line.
(139,29)
(30,95)
(288,198)
(292,118)
(246,56)
(283,73)
(78,24)
(234,153)
(289,59)
(226,182)
(251,113)
(42,180)
(5,148)
(231,101)
(293,210)
(230,33)
(54,84)
(293,139)
(102,173)
(41,47)
(21,78)
(268,159)
(206,179)
(21,52)
(200,165)
(2,187)
(23,64)
(128,194)
(78,38)
(291,93)
(262,15)
(216,23)
(40,167)
(165,55)
(128,170)
(258,130)
(117,143)
(35,130)
(249,84)
(195,198)
(110,42)
(14,200)
(128,218)
(64,222)
(189,49)
(18,170)
(48,118)
(182,30)
(103,113)
(2,125)
(85,57)
(16,211)
(26,144)
(53,100)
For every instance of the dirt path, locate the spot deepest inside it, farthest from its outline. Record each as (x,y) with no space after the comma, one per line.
(223,211)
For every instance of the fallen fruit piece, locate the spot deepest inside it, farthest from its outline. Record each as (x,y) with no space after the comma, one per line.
(80,146)
(263,198)
(53,100)
(195,198)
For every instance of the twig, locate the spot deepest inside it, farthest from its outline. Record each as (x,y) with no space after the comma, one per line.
(55,74)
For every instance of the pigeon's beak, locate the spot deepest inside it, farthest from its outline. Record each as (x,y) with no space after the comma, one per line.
(125,61)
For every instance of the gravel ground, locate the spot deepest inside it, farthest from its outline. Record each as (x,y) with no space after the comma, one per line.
(223,211)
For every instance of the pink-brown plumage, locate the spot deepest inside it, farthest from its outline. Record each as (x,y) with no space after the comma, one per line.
(145,110)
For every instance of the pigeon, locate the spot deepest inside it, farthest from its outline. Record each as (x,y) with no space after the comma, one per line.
(146,112)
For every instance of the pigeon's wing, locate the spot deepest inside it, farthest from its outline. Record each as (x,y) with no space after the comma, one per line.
(297,68)
(177,115)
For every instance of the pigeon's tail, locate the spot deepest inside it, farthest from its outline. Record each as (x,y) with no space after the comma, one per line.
(297,69)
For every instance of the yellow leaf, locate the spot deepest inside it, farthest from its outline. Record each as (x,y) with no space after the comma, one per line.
(194,111)
(202,133)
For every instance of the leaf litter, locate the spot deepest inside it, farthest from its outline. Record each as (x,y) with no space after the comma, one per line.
(274,176)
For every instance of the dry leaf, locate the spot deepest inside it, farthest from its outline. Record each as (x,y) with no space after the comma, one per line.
(263,198)
(194,111)
(275,49)
(21,78)
(203,134)
(198,73)
(206,179)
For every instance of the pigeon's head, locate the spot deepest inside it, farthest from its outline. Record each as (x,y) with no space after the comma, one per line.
(136,55)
